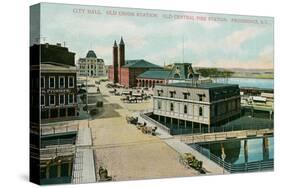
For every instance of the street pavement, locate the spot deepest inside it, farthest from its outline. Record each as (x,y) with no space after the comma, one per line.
(125,151)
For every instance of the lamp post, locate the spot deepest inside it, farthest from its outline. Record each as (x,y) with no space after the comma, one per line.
(223,156)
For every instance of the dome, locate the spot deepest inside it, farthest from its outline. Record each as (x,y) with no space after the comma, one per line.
(91,54)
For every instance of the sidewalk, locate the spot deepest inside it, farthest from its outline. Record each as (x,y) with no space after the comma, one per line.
(181,147)
(210,166)
(84,165)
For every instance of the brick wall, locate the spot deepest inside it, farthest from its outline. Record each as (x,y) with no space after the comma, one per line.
(111,73)
(134,73)
(124,76)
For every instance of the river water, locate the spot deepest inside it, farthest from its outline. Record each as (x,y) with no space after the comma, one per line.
(235,152)
(247,82)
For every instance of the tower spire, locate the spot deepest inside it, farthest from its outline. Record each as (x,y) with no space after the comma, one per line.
(115,43)
(115,63)
(121,59)
(121,41)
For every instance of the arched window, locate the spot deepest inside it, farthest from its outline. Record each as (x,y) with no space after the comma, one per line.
(176,76)
(171,107)
(185,109)
(200,111)
(159,105)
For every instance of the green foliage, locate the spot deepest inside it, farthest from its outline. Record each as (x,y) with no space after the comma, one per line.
(214,72)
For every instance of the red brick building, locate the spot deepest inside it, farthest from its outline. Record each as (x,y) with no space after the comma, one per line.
(125,72)
(152,77)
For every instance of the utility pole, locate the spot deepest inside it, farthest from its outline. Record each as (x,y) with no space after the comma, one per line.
(88,112)
(183,49)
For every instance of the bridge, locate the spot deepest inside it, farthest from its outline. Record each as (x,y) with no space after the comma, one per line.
(189,143)
(220,136)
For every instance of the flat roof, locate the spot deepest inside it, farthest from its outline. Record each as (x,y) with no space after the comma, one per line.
(55,67)
(200,85)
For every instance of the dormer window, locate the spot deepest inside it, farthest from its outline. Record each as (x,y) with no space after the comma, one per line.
(185,95)
(201,96)
(159,92)
(172,94)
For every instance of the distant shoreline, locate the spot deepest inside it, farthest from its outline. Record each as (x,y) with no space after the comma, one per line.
(268,78)
(255,76)
(235,73)
(244,76)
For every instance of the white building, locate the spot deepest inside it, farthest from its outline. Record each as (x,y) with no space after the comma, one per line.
(197,105)
(91,65)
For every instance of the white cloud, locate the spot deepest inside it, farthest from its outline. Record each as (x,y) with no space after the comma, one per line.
(263,61)
(169,55)
(82,31)
(267,52)
(247,64)
(203,63)
(266,57)
(237,38)
(198,46)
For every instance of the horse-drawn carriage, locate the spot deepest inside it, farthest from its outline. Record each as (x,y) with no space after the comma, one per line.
(132,120)
(104,174)
(149,130)
(189,160)
(141,126)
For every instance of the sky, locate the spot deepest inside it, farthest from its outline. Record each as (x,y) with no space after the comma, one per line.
(161,37)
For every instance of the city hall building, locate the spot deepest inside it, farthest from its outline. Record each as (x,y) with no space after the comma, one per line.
(91,65)
(195,105)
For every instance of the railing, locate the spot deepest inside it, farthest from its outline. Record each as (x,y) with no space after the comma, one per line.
(224,135)
(63,123)
(144,116)
(236,168)
(45,143)
(61,150)
(248,128)
(242,123)
(56,129)
(225,128)
(146,111)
